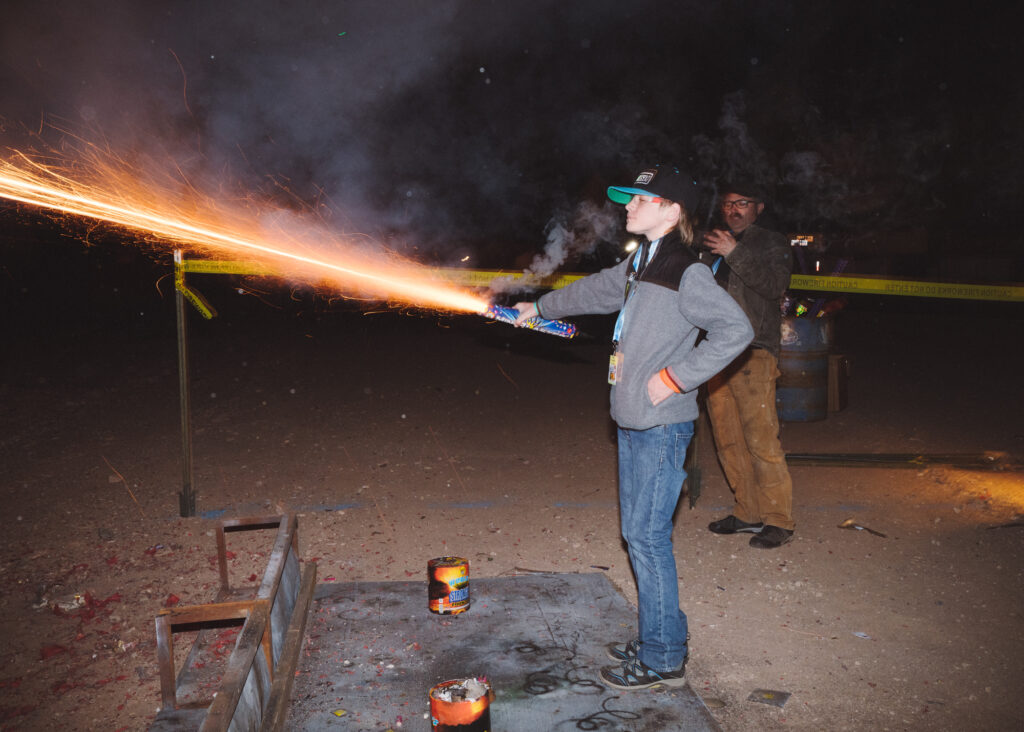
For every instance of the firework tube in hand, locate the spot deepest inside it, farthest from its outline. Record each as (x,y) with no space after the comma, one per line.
(511,316)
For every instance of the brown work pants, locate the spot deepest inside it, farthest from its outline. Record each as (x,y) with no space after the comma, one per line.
(741,404)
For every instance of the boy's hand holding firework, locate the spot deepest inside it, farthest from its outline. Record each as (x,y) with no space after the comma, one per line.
(525,315)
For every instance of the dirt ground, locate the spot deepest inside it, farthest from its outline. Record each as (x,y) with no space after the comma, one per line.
(401,437)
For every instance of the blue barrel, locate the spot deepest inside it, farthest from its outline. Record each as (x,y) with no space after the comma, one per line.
(801,393)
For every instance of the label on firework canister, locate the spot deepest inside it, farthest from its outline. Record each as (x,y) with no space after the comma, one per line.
(448,590)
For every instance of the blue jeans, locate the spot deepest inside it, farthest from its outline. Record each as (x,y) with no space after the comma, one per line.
(651,478)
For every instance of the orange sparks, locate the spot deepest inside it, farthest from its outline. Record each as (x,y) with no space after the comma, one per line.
(292,245)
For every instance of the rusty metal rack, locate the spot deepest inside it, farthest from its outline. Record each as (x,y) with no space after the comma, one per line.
(252,690)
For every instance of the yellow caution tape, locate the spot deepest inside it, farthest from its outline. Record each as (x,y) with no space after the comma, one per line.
(225,266)
(197,300)
(488,277)
(864,285)
(467,277)
(911,288)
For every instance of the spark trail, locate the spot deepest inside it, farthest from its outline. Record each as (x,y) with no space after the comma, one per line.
(175,212)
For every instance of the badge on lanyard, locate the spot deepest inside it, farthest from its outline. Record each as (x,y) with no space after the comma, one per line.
(615,368)
(640,260)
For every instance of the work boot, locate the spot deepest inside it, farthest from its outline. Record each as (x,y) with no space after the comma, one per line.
(732,525)
(771,537)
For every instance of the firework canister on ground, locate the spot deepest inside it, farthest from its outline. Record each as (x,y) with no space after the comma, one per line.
(461,704)
(448,590)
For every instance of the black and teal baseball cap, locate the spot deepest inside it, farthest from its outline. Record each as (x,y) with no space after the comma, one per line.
(662,181)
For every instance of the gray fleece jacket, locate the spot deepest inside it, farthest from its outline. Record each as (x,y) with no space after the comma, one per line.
(675,297)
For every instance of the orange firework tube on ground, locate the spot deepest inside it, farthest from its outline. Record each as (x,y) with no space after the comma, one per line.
(461,705)
(448,590)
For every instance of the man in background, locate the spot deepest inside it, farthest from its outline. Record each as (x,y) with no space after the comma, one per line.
(753,264)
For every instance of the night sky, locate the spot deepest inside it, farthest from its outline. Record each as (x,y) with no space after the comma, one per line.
(477,127)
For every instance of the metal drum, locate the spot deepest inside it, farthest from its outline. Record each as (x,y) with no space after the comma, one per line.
(801,393)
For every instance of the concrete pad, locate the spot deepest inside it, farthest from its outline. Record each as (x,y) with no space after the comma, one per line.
(374,650)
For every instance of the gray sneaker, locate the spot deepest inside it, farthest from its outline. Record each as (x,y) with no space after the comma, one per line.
(635,674)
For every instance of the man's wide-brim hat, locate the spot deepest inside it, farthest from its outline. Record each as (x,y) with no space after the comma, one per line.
(660,181)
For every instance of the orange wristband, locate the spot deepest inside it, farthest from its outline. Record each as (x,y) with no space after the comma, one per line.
(669,382)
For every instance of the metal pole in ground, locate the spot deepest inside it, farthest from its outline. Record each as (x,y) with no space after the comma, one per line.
(187,497)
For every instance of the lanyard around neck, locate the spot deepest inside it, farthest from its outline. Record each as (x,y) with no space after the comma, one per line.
(641,259)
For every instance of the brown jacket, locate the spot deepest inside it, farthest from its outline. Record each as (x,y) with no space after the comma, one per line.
(759,272)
